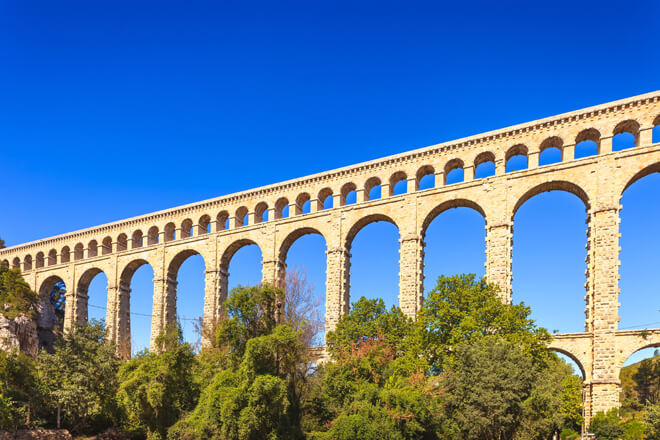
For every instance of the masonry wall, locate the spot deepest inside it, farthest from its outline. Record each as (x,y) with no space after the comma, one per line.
(217,228)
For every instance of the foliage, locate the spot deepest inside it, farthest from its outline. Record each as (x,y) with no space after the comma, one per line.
(16,296)
(155,389)
(652,421)
(80,378)
(19,388)
(607,425)
(462,308)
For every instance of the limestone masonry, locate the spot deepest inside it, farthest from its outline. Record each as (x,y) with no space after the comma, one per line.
(217,228)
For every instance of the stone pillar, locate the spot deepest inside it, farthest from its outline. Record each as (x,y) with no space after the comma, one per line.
(645,137)
(273,272)
(359,195)
(468,173)
(411,184)
(215,286)
(337,294)
(500,167)
(605,145)
(121,318)
(385,190)
(533,159)
(568,153)
(411,274)
(498,258)
(164,308)
(602,307)
(439,179)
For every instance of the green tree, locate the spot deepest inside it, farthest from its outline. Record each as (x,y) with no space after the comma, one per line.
(462,308)
(607,425)
(652,421)
(19,389)
(156,389)
(16,296)
(79,380)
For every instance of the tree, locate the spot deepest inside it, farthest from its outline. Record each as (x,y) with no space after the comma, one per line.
(156,389)
(19,389)
(16,296)
(652,421)
(79,380)
(301,306)
(462,308)
(607,425)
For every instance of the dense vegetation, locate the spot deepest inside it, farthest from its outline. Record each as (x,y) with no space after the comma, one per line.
(469,367)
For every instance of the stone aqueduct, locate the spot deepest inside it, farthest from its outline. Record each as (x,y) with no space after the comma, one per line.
(217,228)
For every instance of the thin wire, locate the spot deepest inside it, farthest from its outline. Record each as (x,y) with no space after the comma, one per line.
(639,325)
(140,314)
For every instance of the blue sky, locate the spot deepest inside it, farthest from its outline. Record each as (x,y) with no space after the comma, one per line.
(110,110)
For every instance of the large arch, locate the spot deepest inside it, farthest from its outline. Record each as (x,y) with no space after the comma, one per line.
(51,311)
(186,275)
(549,254)
(362,222)
(83,290)
(134,314)
(449,204)
(572,357)
(650,169)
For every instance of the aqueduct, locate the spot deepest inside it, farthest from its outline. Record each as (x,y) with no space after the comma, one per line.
(319,204)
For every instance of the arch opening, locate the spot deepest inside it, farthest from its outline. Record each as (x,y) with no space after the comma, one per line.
(242,218)
(188,269)
(106,246)
(137,282)
(348,194)
(325,198)
(51,312)
(454,172)
(425,178)
(136,239)
(78,252)
(186,228)
(372,189)
(122,242)
(484,165)
(587,143)
(640,381)
(204,225)
(398,183)
(516,158)
(222,221)
(152,236)
(303,204)
(549,252)
(92,249)
(39,260)
(625,135)
(261,212)
(94,283)
(282,208)
(655,133)
(242,262)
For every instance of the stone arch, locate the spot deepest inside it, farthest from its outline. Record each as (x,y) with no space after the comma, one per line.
(423,171)
(50,313)
(482,159)
(241,217)
(177,260)
(52,257)
(65,254)
(221,220)
(186,228)
(586,135)
(292,237)
(16,263)
(362,222)
(452,165)
(449,204)
(137,239)
(39,260)
(554,185)
(654,168)
(323,196)
(628,126)
(553,142)
(128,270)
(122,242)
(106,246)
(259,211)
(234,247)
(5,263)
(92,249)
(281,203)
(634,344)
(573,357)
(170,231)
(78,252)
(27,262)
(370,184)
(152,236)
(300,202)
(346,189)
(516,150)
(395,178)
(203,224)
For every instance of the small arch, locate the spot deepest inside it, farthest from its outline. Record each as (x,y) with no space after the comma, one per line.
(425,178)
(364,221)
(587,143)
(261,212)
(170,232)
(372,189)
(78,252)
(484,165)
(555,185)
(186,228)
(325,198)
(39,260)
(625,135)
(222,221)
(454,172)
(65,254)
(398,183)
(282,208)
(303,204)
(551,151)
(136,239)
(449,204)
(204,225)
(241,218)
(348,194)
(27,262)
(106,246)
(52,257)
(152,236)
(92,249)
(122,242)
(16,263)
(655,133)
(516,158)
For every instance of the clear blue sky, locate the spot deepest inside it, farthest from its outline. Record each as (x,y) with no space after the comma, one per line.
(115,109)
